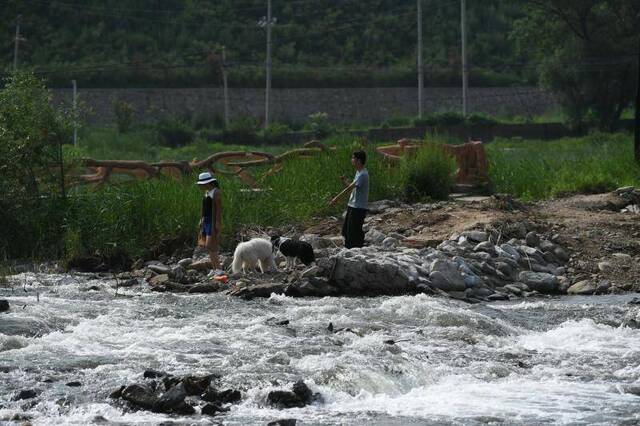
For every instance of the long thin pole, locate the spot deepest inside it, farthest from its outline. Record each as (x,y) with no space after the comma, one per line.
(420,68)
(268,82)
(637,124)
(465,68)
(16,42)
(75,113)
(225,87)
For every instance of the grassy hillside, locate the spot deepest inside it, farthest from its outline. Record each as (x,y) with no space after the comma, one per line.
(316,42)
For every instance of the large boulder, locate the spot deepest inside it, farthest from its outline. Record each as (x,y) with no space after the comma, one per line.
(367,272)
(540,281)
(446,276)
(140,396)
(582,288)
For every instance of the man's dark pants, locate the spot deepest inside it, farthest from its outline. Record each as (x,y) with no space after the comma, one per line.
(352,227)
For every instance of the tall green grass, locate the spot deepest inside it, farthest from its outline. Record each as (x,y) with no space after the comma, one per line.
(543,169)
(134,217)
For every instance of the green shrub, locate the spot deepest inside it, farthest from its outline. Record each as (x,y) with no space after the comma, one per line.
(428,174)
(481,119)
(397,122)
(319,124)
(273,134)
(424,121)
(448,118)
(124,113)
(175,133)
(242,131)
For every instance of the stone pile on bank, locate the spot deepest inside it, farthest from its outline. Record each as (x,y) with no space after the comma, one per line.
(475,265)
(499,261)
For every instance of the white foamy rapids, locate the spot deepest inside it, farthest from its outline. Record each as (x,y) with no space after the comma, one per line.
(553,361)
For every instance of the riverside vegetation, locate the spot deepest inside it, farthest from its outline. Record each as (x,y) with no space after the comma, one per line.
(127,220)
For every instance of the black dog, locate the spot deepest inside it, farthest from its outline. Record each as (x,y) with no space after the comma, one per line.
(294,250)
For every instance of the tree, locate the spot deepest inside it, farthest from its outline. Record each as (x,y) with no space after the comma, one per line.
(586,54)
(31,133)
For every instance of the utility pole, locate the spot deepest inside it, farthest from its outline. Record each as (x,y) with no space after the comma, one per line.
(225,88)
(637,123)
(75,113)
(16,42)
(268,64)
(420,69)
(465,67)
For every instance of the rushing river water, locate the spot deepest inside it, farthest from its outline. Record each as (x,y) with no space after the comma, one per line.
(560,360)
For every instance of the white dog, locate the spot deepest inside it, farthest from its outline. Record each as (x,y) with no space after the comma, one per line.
(252,253)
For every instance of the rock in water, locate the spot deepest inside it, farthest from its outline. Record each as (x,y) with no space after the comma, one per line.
(284,399)
(213,409)
(195,385)
(299,397)
(140,396)
(283,422)
(540,281)
(303,391)
(153,374)
(25,394)
(4,305)
(228,396)
(172,401)
(582,288)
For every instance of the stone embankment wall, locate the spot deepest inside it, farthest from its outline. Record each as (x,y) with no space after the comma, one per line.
(363,105)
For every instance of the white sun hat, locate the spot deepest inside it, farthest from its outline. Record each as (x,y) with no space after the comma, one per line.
(205,178)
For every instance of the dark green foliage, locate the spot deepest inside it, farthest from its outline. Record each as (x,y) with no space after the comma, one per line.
(428,174)
(587,55)
(31,136)
(124,113)
(175,133)
(274,133)
(242,131)
(319,124)
(397,122)
(325,43)
(481,119)
(447,118)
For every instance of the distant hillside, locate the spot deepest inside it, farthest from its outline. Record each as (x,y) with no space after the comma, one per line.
(315,42)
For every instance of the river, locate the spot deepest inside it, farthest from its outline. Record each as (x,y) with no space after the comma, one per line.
(553,360)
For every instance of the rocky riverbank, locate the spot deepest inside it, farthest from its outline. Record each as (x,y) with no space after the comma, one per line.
(475,249)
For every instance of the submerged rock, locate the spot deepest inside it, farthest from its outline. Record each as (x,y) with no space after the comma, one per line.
(300,396)
(25,394)
(228,396)
(283,422)
(213,409)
